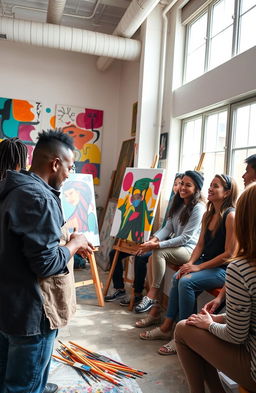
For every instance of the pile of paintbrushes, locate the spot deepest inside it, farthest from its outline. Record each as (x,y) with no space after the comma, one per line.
(93,367)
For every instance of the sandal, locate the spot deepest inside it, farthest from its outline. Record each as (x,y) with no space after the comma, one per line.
(147,321)
(168,349)
(155,334)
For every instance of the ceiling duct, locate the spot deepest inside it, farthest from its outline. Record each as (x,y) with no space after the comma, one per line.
(55,11)
(135,15)
(69,38)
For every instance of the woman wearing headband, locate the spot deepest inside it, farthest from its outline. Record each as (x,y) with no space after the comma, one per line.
(207,266)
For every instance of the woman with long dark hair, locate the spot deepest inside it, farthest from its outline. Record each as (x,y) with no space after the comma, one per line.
(174,242)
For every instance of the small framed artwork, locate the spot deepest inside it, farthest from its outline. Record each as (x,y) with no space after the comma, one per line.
(134,118)
(163,146)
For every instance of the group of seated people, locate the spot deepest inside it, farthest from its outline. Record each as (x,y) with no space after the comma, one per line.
(210,246)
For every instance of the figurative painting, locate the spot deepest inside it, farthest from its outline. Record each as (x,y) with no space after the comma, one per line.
(163,146)
(136,206)
(106,241)
(134,118)
(125,160)
(20,118)
(79,208)
(85,127)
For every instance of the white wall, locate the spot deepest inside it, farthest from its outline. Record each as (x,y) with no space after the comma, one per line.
(59,77)
(129,82)
(234,79)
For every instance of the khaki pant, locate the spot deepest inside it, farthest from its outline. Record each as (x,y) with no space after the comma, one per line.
(161,256)
(201,354)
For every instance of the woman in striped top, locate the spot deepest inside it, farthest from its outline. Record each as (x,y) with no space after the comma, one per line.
(226,342)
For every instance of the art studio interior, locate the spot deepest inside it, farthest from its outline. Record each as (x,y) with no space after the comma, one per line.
(146,90)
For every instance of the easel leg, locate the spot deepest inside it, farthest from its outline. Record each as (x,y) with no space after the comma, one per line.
(132,300)
(96,280)
(110,275)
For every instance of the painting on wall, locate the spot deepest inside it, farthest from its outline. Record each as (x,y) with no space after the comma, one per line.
(48,117)
(20,118)
(163,146)
(125,160)
(106,241)
(136,206)
(79,208)
(85,127)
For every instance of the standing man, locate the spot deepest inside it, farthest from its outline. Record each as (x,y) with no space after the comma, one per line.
(30,230)
(249,177)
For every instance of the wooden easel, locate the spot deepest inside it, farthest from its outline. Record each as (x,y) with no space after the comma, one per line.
(95,280)
(128,247)
(200,162)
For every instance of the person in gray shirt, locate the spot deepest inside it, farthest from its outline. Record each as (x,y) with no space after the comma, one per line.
(175,242)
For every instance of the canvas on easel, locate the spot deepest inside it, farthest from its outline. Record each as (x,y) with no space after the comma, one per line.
(125,160)
(78,203)
(137,204)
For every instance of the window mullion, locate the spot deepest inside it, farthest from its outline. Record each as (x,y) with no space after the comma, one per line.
(207,38)
(236,28)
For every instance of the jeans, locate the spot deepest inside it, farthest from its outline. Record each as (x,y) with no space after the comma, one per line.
(140,270)
(183,293)
(25,361)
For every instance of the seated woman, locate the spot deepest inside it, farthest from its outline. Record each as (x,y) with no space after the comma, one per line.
(207,266)
(175,242)
(140,268)
(226,342)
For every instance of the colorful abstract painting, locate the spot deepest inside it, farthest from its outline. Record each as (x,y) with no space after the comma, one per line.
(20,118)
(106,241)
(85,127)
(79,208)
(137,204)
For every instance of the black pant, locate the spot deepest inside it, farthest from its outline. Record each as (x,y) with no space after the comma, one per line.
(140,270)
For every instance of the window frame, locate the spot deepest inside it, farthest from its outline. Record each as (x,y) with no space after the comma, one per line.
(229,150)
(236,27)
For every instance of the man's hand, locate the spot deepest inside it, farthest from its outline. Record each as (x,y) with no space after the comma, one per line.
(80,244)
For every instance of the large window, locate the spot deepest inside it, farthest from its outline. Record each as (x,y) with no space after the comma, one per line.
(224,29)
(225,147)
(206,133)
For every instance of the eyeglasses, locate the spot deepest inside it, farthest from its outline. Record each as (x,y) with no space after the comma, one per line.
(73,169)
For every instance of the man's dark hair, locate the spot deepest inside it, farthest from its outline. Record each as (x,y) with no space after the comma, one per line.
(251,160)
(54,138)
(13,154)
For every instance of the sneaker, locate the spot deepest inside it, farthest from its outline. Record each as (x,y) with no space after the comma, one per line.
(126,301)
(145,304)
(50,388)
(118,294)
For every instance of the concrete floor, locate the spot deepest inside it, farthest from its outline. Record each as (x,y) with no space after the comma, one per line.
(112,328)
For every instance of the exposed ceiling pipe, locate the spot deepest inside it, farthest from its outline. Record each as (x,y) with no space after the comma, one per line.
(55,11)
(22,7)
(69,38)
(133,18)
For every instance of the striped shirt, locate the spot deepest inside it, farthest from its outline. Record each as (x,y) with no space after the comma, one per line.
(240,317)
